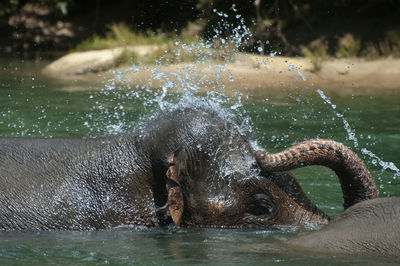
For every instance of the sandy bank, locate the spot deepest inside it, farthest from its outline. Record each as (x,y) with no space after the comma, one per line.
(247,71)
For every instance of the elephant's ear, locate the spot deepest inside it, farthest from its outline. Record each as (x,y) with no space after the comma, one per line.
(177,165)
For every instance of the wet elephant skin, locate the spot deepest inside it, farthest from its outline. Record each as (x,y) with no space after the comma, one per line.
(188,167)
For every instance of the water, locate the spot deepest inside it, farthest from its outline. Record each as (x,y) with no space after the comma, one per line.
(195,247)
(34,106)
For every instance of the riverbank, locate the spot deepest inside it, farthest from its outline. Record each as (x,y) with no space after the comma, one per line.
(245,71)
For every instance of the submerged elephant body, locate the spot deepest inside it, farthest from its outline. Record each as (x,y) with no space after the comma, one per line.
(69,184)
(123,180)
(371,226)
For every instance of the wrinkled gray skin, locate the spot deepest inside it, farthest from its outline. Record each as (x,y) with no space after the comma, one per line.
(86,184)
(371,226)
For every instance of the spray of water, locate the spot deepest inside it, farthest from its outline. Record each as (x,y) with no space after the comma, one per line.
(165,90)
(351,135)
(168,90)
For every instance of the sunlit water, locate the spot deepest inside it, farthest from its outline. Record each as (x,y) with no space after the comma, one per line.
(34,106)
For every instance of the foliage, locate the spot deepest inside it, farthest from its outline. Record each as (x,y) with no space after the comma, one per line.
(371,51)
(288,25)
(127,57)
(174,49)
(8,7)
(120,34)
(386,47)
(393,38)
(60,7)
(348,46)
(184,50)
(317,52)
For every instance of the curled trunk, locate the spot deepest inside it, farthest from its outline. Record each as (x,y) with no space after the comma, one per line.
(356,182)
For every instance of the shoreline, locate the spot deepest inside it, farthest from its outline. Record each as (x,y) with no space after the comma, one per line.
(250,72)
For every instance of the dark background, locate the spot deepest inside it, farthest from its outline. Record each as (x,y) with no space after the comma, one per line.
(49,25)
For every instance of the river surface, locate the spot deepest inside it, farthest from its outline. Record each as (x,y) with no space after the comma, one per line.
(34,106)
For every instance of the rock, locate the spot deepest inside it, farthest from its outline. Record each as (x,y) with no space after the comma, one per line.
(79,63)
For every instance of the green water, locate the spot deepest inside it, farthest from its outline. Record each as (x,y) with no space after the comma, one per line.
(34,106)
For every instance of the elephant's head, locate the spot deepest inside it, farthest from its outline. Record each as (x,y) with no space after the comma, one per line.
(241,198)
(212,178)
(253,198)
(255,201)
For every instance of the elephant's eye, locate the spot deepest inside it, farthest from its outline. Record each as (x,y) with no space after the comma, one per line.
(261,204)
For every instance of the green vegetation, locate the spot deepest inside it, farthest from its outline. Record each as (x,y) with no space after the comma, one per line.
(371,51)
(317,52)
(348,46)
(120,35)
(192,52)
(170,53)
(189,48)
(127,57)
(168,50)
(391,43)
(369,29)
(389,46)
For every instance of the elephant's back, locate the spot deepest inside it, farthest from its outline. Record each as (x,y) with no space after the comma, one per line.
(22,158)
(370,226)
(24,147)
(56,183)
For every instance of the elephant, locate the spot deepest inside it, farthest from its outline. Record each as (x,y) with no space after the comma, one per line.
(190,166)
(371,226)
(367,225)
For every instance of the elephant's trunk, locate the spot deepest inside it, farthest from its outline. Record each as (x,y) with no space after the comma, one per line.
(356,182)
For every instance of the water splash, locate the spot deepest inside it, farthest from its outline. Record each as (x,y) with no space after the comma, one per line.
(351,135)
(164,89)
(385,165)
(350,132)
(301,75)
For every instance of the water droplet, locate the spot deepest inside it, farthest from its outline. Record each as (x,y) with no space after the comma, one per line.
(301,75)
